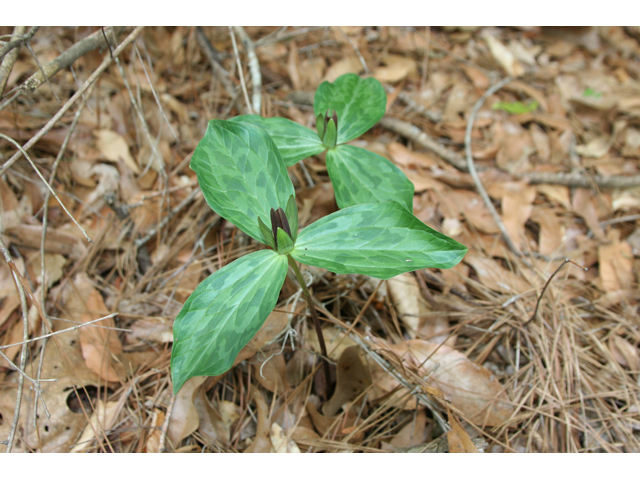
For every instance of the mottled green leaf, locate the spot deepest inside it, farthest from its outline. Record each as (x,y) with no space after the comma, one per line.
(241,174)
(223,314)
(360,176)
(359,103)
(294,141)
(381,240)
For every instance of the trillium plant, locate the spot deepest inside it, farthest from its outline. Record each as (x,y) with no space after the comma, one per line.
(244,179)
(344,109)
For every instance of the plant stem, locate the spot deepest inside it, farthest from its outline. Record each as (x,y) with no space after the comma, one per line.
(316,320)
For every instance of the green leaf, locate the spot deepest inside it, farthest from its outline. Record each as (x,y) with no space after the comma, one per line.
(381,240)
(515,108)
(360,176)
(285,242)
(267,235)
(292,215)
(330,134)
(294,141)
(223,314)
(241,174)
(359,102)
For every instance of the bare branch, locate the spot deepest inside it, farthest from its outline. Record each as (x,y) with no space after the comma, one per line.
(44,130)
(13,44)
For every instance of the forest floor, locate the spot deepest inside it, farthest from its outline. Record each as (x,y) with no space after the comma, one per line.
(478,357)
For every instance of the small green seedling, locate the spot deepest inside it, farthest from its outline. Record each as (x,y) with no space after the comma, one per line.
(516,108)
(244,179)
(344,109)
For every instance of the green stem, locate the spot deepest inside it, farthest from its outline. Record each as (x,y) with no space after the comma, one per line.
(316,320)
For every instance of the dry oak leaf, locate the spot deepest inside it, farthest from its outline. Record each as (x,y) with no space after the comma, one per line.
(615,264)
(472,389)
(114,148)
(184,417)
(101,347)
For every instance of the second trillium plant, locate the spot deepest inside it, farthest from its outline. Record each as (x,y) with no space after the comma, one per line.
(244,179)
(344,109)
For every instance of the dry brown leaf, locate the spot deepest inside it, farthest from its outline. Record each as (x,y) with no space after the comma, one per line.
(262,442)
(101,421)
(114,148)
(517,205)
(396,68)
(346,65)
(153,440)
(541,142)
(456,203)
(184,417)
(471,389)
(458,102)
(494,276)
(615,262)
(583,204)
(625,354)
(404,157)
(503,56)
(353,377)
(101,347)
(556,193)
(281,442)
(271,373)
(552,231)
(458,438)
(149,330)
(596,148)
(210,421)
(408,301)
(413,433)
(293,68)
(53,265)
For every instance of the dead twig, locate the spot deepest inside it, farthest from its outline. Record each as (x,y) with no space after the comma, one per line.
(254,69)
(472,168)
(64,60)
(544,289)
(416,135)
(44,130)
(240,73)
(214,59)
(14,44)
(8,61)
(80,325)
(141,241)
(26,155)
(24,351)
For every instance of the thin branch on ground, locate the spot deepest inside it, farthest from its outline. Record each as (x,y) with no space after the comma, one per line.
(188,199)
(254,69)
(65,59)
(26,155)
(472,168)
(416,135)
(6,64)
(213,57)
(44,130)
(357,50)
(24,351)
(14,44)
(546,285)
(53,334)
(167,420)
(240,73)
